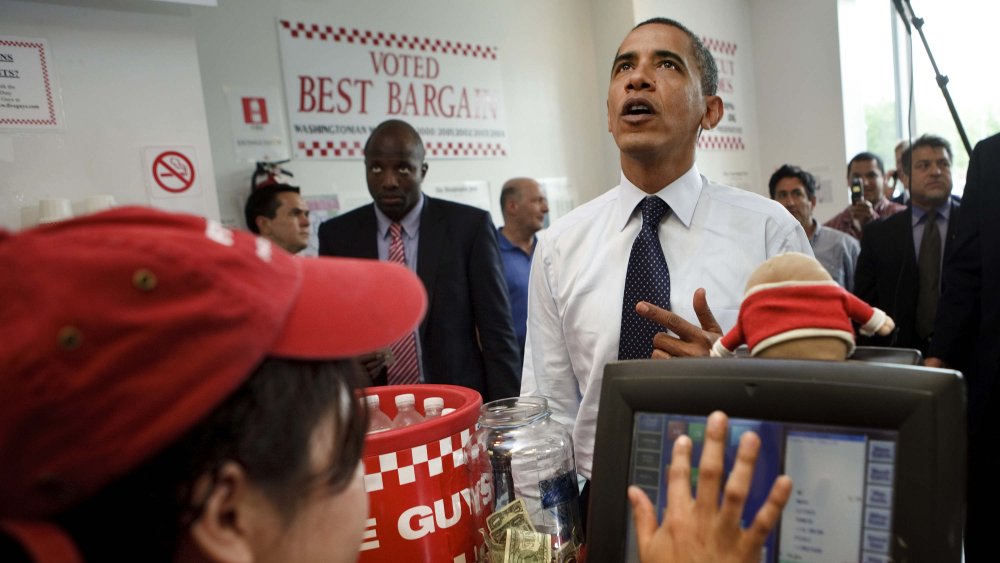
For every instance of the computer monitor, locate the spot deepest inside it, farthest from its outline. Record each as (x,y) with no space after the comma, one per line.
(876,452)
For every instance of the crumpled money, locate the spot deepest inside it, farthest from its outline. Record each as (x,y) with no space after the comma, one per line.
(512,538)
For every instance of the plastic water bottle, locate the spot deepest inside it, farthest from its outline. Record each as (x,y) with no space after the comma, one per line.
(433,407)
(407,413)
(378,421)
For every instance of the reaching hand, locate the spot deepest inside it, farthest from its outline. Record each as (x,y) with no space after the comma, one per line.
(690,340)
(862,212)
(936,363)
(699,530)
(375,362)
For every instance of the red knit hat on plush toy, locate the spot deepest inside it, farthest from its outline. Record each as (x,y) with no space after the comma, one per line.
(790,302)
(778,312)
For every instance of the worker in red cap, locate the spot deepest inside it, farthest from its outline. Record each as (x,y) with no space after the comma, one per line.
(175,391)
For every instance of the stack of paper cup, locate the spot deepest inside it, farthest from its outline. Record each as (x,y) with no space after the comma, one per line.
(53,210)
(99,202)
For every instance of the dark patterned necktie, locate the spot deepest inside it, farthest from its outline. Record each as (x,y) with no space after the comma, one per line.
(405,368)
(647,279)
(928,275)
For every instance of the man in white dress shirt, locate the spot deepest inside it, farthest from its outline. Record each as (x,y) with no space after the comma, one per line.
(662,94)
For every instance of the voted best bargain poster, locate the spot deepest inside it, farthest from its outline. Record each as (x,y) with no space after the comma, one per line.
(340,82)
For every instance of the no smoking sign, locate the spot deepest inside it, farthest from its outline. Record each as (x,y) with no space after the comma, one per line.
(171,171)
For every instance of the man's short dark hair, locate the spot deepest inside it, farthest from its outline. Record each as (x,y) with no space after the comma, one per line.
(866,156)
(706,62)
(264,201)
(792,171)
(402,126)
(926,140)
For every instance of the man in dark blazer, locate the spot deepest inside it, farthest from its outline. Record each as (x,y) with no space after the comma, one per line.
(889,275)
(969,318)
(467,337)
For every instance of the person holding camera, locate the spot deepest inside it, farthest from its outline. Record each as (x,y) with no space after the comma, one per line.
(868,203)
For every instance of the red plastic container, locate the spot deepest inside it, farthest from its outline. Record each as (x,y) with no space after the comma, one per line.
(424,503)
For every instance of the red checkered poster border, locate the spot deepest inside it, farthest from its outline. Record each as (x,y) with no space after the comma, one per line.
(448,148)
(720,46)
(332,149)
(48,87)
(721,142)
(355,149)
(302,30)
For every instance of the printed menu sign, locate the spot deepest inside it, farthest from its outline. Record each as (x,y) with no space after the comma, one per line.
(27,94)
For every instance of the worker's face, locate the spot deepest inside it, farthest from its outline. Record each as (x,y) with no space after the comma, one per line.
(394,168)
(289,228)
(326,527)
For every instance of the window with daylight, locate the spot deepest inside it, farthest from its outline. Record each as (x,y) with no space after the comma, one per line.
(876,56)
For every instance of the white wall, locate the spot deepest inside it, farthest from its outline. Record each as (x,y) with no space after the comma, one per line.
(128,78)
(612,20)
(551,86)
(799,98)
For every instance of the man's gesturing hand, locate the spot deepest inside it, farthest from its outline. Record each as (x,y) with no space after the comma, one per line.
(690,340)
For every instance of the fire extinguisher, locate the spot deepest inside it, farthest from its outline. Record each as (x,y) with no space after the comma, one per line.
(267,173)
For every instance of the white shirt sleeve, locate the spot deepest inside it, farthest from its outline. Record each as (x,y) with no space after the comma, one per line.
(548,371)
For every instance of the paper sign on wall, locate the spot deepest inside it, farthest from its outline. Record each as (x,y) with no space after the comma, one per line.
(474,193)
(340,82)
(321,208)
(728,134)
(171,172)
(258,124)
(28,97)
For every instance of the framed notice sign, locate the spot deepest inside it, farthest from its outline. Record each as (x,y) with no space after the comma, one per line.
(28,97)
(258,127)
(340,82)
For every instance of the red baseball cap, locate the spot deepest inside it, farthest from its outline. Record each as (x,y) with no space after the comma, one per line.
(123,329)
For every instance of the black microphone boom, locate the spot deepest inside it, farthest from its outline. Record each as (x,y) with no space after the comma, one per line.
(942,80)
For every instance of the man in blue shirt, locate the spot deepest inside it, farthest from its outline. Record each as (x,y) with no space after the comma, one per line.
(524,208)
(795,188)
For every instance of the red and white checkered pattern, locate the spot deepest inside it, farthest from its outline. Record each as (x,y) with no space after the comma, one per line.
(48,88)
(721,142)
(465,149)
(331,148)
(402,467)
(719,46)
(302,30)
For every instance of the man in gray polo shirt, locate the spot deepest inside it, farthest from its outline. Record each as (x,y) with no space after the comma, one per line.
(795,188)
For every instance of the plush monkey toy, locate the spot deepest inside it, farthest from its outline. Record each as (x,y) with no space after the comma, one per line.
(792,308)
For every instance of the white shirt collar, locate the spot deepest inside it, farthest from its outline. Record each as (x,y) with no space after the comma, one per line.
(410,223)
(681,195)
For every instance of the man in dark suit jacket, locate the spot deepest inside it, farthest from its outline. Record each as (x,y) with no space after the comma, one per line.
(888,274)
(969,316)
(467,337)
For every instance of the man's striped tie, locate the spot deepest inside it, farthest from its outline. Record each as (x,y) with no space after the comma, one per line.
(405,369)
